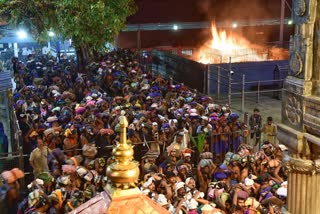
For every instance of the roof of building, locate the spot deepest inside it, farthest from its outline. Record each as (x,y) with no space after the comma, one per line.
(130,204)
(13,39)
(135,204)
(5,81)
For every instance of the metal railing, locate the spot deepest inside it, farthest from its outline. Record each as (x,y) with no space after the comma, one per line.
(19,160)
(19,156)
(17,134)
(235,87)
(257,87)
(259,90)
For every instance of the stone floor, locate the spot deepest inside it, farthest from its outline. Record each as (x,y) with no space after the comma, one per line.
(268,106)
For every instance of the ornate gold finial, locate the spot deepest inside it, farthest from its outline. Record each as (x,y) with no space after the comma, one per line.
(124,172)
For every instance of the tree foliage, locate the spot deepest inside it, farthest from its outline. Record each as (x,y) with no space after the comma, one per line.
(36,16)
(101,20)
(89,23)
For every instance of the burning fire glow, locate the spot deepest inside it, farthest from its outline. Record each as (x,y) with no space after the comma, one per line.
(223,48)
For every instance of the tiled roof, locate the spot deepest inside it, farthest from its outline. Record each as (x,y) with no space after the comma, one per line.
(131,204)
(135,204)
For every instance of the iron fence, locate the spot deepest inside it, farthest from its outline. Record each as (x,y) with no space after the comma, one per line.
(17,159)
(225,83)
(20,160)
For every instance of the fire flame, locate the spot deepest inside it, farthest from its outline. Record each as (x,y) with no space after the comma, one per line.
(223,48)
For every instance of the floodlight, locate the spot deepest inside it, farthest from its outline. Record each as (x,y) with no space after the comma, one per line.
(290,22)
(51,33)
(22,34)
(175,27)
(234,25)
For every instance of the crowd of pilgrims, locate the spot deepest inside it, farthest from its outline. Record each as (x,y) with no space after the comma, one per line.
(195,155)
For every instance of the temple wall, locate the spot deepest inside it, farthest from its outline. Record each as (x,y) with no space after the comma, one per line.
(300,128)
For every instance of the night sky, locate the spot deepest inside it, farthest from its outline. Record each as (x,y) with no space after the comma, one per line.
(153,11)
(166,11)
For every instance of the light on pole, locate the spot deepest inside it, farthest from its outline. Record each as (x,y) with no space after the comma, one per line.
(234,25)
(22,34)
(51,33)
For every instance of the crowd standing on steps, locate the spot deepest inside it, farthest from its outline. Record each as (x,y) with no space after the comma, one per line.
(192,151)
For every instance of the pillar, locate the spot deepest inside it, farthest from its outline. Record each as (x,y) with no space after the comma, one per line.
(303,188)
(300,127)
(15,49)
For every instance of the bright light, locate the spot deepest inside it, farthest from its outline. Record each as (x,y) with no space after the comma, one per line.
(175,27)
(51,33)
(22,34)
(290,22)
(234,25)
